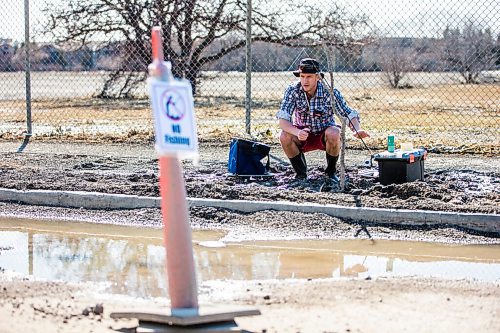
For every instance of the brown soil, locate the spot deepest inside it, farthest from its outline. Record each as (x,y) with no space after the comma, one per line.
(461,183)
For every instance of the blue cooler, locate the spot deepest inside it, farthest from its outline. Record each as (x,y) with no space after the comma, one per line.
(400,166)
(245,158)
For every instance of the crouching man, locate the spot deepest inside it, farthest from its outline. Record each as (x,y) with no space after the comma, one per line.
(307,121)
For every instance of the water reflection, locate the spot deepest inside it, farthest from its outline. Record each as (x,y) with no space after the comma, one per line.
(131,260)
(125,265)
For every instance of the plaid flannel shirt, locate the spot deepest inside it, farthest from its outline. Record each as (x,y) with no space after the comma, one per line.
(316,114)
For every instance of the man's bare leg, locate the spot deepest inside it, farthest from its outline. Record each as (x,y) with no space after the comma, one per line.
(290,144)
(332,143)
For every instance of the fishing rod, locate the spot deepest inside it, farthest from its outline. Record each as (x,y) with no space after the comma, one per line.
(334,98)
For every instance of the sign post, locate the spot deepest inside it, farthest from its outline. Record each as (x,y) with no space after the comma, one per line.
(176,137)
(175,134)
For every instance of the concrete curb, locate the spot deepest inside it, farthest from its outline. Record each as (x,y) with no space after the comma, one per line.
(93,200)
(78,199)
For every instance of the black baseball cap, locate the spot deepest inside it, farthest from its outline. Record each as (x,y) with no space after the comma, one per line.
(308,66)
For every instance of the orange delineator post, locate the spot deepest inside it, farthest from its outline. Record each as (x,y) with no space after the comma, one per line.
(177,238)
(156,46)
(181,272)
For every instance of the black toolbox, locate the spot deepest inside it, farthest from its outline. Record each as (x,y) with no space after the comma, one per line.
(400,166)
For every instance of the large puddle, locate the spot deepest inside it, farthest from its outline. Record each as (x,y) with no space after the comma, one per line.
(131,260)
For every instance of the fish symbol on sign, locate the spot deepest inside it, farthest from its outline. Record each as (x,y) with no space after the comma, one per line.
(173,112)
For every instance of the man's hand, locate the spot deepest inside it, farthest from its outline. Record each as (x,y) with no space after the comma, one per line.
(361,134)
(303,134)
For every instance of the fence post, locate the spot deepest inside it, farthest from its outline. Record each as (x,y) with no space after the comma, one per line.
(27,65)
(248,66)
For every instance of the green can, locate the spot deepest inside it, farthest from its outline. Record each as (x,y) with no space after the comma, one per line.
(390,143)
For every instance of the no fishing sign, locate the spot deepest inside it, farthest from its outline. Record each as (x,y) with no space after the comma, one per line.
(173,112)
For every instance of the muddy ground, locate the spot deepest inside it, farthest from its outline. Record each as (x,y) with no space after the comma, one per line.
(455,183)
(452,183)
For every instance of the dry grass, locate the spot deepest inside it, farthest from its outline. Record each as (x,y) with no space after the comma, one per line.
(451,115)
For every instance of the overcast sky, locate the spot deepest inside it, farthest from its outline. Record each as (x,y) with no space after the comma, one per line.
(411,18)
(420,18)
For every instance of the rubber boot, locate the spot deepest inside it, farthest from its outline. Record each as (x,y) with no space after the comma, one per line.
(299,165)
(331,165)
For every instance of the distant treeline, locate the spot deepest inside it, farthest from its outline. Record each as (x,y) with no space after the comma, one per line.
(425,55)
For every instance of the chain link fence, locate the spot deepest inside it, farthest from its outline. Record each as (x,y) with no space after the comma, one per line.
(429,74)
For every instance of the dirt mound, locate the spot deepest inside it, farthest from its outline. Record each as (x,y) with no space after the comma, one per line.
(461,190)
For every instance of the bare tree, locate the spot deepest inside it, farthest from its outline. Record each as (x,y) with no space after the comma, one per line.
(7,52)
(469,51)
(396,57)
(196,33)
